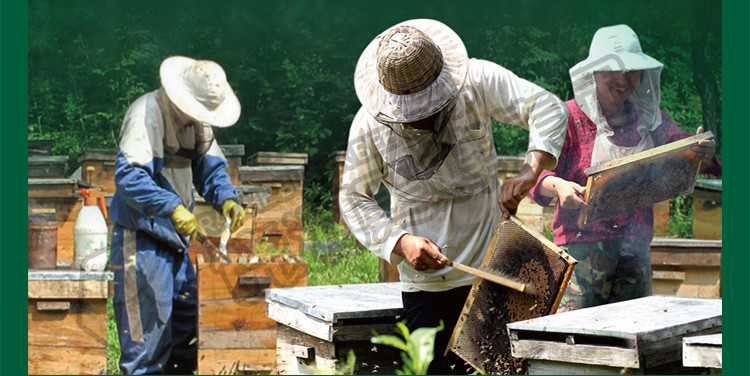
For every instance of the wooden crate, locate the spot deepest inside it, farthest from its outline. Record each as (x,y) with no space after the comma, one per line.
(702,351)
(634,336)
(234,334)
(280,221)
(103,162)
(270,158)
(707,209)
(686,267)
(46,167)
(318,326)
(234,155)
(67,321)
(640,180)
(517,251)
(61,195)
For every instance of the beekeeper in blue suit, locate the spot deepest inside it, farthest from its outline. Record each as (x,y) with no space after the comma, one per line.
(167,146)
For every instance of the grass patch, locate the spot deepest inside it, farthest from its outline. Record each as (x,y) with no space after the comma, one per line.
(113,341)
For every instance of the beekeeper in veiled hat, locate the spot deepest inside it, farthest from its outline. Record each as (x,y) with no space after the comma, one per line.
(615,113)
(425,131)
(167,146)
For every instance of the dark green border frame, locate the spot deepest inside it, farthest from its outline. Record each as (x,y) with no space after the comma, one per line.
(13,146)
(13,195)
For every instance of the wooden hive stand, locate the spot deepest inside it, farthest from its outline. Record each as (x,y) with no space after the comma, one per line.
(67,319)
(234,334)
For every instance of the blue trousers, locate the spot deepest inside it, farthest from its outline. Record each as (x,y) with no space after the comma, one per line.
(155,305)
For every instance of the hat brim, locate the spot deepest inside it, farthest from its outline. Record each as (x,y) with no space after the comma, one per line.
(389,107)
(624,61)
(224,115)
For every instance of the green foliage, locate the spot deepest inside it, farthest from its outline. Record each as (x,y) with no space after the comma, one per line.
(680,222)
(113,341)
(417,347)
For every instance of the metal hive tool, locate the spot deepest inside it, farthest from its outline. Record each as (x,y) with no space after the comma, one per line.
(481,336)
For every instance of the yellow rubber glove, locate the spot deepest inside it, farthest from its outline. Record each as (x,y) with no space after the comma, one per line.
(185,222)
(231,209)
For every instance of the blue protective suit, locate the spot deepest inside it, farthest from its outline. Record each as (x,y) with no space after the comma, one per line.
(155,282)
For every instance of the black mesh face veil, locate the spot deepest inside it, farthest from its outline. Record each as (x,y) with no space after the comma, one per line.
(416,154)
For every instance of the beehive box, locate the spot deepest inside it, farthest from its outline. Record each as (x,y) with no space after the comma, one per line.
(270,158)
(318,326)
(233,154)
(61,195)
(635,336)
(707,209)
(41,147)
(103,162)
(702,351)
(234,334)
(686,267)
(67,321)
(640,180)
(517,251)
(280,221)
(45,167)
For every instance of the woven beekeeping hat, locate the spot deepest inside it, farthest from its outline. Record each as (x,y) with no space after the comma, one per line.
(411,71)
(199,88)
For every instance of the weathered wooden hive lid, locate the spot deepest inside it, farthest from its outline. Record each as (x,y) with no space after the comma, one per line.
(262,158)
(257,174)
(104,155)
(233,150)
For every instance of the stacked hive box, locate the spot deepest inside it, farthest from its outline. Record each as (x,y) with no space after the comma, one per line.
(61,195)
(103,163)
(233,154)
(707,209)
(67,322)
(686,267)
(280,221)
(234,334)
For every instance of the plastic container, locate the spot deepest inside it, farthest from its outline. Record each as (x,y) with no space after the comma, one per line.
(91,233)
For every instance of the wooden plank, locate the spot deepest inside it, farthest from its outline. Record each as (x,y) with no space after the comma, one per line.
(546,367)
(587,354)
(702,351)
(236,362)
(275,158)
(245,339)
(640,180)
(298,320)
(90,289)
(221,281)
(259,174)
(245,314)
(288,363)
(84,324)
(668,275)
(685,258)
(46,360)
(700,244)
(668,350)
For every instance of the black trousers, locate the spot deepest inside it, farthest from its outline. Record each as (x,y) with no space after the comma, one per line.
(426,309)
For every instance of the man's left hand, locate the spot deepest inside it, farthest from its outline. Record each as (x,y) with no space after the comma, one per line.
(705,149)
(231,209)
(515,189)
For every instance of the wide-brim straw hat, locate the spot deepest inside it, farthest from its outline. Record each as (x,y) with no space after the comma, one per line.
(199,88)
(615,48)
(406,84)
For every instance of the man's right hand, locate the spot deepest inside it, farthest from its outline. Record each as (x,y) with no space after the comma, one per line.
(421,253)
(185,222)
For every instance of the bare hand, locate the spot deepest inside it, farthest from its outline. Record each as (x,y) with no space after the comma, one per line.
(570,194)
(421,253)
(515,189)
(705,149)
